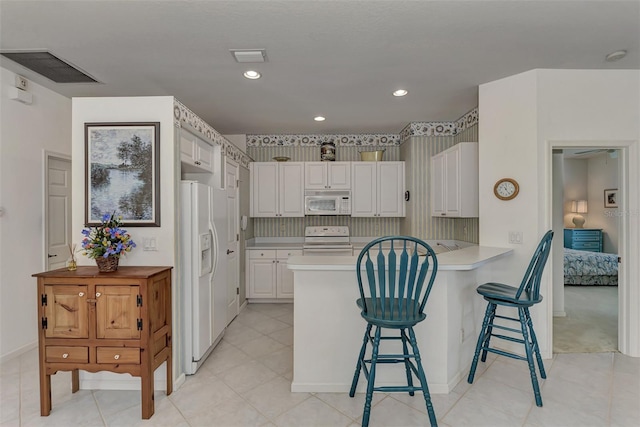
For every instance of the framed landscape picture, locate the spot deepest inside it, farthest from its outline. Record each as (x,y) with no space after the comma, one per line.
(611,198)
(122,172)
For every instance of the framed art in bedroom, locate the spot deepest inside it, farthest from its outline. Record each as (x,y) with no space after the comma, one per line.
(611,198)
(122,173)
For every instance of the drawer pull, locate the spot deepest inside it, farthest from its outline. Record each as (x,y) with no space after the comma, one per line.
(98,294)
(117,356)
(64,356)
(81,294)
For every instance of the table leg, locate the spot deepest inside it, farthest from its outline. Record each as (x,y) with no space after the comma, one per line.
(45,393)
(169,363)
(75,380)
(146,380)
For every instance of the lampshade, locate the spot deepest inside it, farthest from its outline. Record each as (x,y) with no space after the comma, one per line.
(579,206)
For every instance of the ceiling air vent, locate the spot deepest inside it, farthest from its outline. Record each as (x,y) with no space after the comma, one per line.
(50,66)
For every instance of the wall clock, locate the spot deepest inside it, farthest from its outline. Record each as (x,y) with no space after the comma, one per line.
(506,189)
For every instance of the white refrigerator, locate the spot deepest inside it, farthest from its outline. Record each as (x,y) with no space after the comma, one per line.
(203,293)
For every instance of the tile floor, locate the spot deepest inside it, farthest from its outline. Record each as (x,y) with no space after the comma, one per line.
(245,382)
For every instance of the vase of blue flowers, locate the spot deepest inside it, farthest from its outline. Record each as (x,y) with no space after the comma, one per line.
(107,242)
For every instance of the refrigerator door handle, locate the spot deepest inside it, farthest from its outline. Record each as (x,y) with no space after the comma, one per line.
(214,252)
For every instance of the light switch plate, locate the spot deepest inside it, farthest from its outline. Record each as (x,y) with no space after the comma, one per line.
(515,237)
(149,244)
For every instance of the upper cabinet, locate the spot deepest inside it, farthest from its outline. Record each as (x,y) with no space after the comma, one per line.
(327,175)
(277,189)
(195,154)
(454,181)
(377,189)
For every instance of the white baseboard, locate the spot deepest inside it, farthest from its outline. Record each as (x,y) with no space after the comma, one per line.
(559,314)
(18,352)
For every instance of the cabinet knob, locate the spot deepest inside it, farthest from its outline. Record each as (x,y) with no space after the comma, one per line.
(98,294)
(117,356)
(80,294)
(64,356)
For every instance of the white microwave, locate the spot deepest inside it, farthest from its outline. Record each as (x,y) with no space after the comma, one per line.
(327,202)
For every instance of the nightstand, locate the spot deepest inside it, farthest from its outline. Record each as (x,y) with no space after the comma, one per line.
(584,239)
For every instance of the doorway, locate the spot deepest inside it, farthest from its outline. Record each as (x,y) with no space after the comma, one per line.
(561,219)
(57,210)
(232,177)
(585,306)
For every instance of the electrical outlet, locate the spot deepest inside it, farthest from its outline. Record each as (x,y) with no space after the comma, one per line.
(515,237)
(21,82)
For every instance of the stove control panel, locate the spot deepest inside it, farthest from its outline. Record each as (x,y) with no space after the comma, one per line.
(327,231)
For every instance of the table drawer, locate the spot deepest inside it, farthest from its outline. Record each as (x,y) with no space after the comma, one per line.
(64,354)
(121,355)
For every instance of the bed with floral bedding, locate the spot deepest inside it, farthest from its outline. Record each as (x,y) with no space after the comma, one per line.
(590,268)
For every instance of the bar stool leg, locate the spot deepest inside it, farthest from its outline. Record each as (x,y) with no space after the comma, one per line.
(356,376)
(527,347)
(481,339)
(407,363)
(371,379)
(423,379)
(487,336)
(536,347)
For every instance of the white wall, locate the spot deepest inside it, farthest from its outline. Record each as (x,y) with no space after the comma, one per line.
(575,188)
(25,132)
(131,109)
(603,174)
(523,116)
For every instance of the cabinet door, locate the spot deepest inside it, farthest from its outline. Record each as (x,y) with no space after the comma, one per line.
(117,312)
(315,175)
(390,182)
(364,191)
(284,279)
(452,182)
(437,185)
(291,189)
(187,147)
(339,175)
(264,189)
(66,311)
(204,156)
(261,277)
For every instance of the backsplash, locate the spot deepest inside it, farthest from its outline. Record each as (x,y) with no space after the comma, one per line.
(294,227)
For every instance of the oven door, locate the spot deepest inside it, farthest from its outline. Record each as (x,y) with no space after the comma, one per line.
(321,205)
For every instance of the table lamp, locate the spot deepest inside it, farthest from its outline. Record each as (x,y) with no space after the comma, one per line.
(578,207)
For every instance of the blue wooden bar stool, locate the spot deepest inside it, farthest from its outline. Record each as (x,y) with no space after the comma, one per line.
(521,298)
(396,269)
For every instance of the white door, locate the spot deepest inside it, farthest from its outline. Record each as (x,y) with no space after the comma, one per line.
(57,212)
(233,244)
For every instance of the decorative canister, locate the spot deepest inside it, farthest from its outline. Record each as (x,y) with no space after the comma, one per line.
(328,152)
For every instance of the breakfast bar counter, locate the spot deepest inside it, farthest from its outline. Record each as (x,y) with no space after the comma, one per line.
(328,329)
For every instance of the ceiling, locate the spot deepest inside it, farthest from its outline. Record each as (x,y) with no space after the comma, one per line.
(339,59)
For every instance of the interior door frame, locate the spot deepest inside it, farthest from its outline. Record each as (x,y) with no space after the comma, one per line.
(628,286)
(236,165)
(46,157)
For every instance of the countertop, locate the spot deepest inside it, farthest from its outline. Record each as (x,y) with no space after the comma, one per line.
(468,258)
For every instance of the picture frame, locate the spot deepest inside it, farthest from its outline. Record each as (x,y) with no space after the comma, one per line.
(122,172)
(611,198)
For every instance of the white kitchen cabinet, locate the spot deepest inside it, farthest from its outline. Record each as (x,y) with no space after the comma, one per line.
(276,189)
(377,189)
(268,277)
(454,181)
(327,175)
(195,154)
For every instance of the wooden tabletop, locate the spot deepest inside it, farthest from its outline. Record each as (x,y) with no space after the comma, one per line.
(92,271)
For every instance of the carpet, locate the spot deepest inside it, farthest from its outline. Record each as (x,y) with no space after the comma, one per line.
(591,324)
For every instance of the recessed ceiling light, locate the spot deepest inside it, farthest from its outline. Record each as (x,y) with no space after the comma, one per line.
(616,56)
(319,119)
(400,92)
(252,74)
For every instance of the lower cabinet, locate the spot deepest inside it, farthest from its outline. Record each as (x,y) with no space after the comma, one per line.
(268,277)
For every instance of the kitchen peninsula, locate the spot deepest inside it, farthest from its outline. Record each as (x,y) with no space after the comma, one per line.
(328,328)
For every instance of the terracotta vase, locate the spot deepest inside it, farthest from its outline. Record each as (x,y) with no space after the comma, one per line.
(107,265)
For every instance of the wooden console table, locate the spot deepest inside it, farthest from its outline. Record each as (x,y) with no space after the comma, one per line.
(118,322)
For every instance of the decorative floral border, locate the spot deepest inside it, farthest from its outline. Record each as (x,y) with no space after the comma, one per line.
(354,140)
(182,114)
(412,129)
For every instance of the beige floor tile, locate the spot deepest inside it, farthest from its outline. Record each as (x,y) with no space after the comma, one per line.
(274,397)
(312,413)
(269,326)
(247,376)
(80,411)
(468,412)
(493,394)
(284,336)
(190,399)
(261,346)
(225,357)
(559,414)
(231,412)
(165,415)
(442,403)
(280,361)
(113,401)
(350,406)
(390,412)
